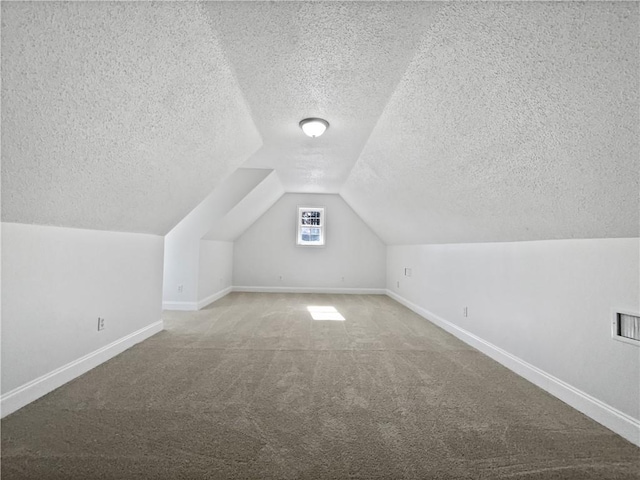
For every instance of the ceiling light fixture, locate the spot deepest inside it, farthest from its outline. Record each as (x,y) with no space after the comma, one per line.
(314,127)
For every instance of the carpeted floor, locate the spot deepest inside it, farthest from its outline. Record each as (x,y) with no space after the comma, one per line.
(252,387)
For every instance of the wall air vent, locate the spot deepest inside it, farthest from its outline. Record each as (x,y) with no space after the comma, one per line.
(626,327)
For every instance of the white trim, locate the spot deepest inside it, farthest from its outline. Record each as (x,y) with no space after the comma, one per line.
(358,291)
(299,241)
(212,298)
(182,306)
(30,391)
(614,327)
(195,306)
(617,421)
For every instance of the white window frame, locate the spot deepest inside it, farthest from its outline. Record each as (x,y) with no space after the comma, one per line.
(299,226)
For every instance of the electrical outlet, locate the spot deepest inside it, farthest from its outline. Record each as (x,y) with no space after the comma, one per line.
(407,272)
(100,323)
(465,311)
(180,288)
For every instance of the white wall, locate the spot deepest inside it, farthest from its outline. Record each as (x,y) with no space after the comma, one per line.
(247,210)
(182,243)
(353,256)
(548,303)
(215,270)
(56,282)
(180,273)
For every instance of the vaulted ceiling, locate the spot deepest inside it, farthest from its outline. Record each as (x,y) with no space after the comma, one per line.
(450,122)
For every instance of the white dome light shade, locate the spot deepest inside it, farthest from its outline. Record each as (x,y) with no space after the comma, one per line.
(314,127)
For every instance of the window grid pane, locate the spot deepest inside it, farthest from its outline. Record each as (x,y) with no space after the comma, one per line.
(310,226)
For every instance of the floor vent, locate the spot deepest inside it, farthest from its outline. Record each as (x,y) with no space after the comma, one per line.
(626,327)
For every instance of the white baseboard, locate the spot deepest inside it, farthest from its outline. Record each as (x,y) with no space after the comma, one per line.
(195,306)
(182,306)
(357,291)
(212,298)
(615,420)
(27,393)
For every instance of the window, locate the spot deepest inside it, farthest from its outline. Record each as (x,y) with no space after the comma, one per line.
(310,226)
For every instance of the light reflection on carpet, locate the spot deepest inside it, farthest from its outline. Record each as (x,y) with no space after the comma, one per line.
(325,313)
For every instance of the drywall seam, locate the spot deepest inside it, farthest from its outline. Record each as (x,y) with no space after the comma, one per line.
(212,298)
(357,291)
(615,420)
(31,391)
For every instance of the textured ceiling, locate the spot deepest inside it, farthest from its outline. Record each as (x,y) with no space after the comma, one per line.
(514,121)
(450,122)
(334,60)
(115,116)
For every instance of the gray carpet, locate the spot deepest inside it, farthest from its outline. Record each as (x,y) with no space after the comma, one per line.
(252,387)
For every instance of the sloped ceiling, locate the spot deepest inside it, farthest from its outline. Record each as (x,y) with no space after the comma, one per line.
(450,122)
(339,61)
(514,121)
(115,116)
(249,209)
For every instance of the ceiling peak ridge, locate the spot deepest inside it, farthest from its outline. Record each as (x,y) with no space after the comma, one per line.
(207,16)
(440,10)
